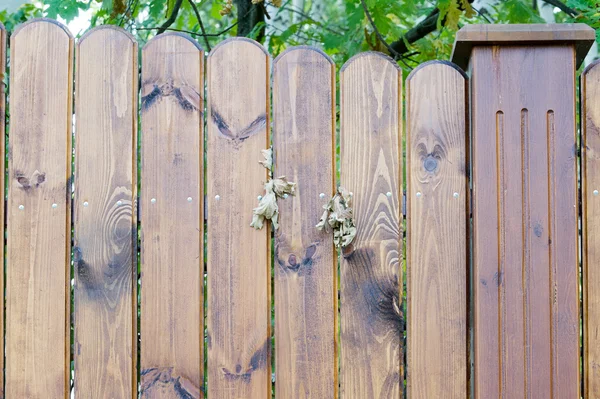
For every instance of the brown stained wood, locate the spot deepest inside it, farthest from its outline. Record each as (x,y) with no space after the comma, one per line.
(172,256)
(38,235)
(579,35)
(104,252)
(2,172)
(305,263)
(370,280)
(238,319)
(590,117)
(437,232)
(525,282)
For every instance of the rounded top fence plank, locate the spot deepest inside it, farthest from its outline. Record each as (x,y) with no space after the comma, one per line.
(173,36)
(106,29)
(590,68)
(233,42)
(37,22)
(368,55)
(440,63)
(305,49)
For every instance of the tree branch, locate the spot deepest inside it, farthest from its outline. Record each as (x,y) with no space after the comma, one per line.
(563,7)
(393,52)
(200,23)
(171,18)
(417,32)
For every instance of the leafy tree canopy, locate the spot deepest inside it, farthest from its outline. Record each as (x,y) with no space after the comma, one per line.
(411,31)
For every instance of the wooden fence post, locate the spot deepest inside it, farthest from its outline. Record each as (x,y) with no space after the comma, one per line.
(172,218)
(305,262)
(104,217)
(370,276)
(525,208)
(38,214)
(238,257)
(437,245)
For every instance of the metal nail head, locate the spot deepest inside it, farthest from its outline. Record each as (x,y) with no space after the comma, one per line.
(153,201)
(389,194)
(419,194)
(85,203)
(119,202)
(21,207)
(54,206)
(217,197)
(455,195)
(189,199)
(595,192)
(322,195)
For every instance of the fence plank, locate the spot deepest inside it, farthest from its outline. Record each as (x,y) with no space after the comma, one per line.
(172,225)
(2,154)
(370,280)
(104,214)
(238,263)
(305,267)
(437,232)
(590,117)
(37,337)
(525,273)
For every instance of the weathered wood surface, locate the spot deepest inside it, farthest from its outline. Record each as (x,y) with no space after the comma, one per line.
(305,263)
(105,225)
(590,117)
(238,257)
(172,218)
(436,237)
(370,280)
(526,302)
(37,269)
(2,147)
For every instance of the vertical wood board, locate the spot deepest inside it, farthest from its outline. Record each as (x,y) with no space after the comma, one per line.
(590,123)
(172,218)
(38,233)
(437,232)
(105,225)
(371,318)
(238,257)
(305,262)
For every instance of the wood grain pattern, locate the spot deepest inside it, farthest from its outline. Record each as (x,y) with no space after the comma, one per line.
(38,234)
(370,281)
(238,320)
(2,173)
(305,264)
(437,269)
(590,128)
(526,305)
(172,299)
(104,215)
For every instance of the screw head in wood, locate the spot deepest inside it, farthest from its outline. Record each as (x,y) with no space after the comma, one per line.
(21,207)
(419,194)
(259,197)
(322,195)
(217,197)
(389,194)
(455,195)
(119,202)
(54,206)
(596,192)
(189,199)
(153,201)
(85,203)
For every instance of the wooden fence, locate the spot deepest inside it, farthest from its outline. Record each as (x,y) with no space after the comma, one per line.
(131,267)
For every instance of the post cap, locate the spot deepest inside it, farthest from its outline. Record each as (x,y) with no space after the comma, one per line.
(581,35)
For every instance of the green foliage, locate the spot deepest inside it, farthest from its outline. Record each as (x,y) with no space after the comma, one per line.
(340,27)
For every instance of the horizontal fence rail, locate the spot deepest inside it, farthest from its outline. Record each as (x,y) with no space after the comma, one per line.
(132,269)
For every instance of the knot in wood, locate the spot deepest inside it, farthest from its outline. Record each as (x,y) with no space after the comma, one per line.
(430,163)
